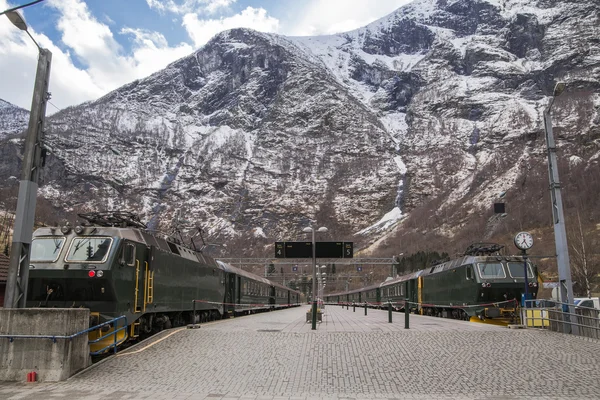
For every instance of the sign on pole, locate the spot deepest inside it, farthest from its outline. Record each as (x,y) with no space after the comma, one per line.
(322,250)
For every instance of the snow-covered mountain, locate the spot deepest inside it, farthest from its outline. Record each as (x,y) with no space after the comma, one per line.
(440,100)
(13,119)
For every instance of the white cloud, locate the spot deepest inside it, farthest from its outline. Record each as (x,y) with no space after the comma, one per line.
(215,5)
(18,63)
(152,53)
(190,6)
(324,17)
(201,30)
(106,67)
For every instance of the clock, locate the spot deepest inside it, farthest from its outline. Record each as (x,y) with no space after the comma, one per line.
(523,240)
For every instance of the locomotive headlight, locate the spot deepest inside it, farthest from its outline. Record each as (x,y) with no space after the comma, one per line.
(483,284)
(91,273)
(65,229)
(79,229)
(100,274)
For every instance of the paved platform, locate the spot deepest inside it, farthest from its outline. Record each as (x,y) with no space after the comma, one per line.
(276,356)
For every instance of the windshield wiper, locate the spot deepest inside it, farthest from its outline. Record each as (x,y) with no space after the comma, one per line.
(78,246)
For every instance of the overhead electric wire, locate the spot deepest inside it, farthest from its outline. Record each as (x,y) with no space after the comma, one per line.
(19,7)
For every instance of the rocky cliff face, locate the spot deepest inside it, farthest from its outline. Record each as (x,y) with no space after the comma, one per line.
(13,119)
(262,133)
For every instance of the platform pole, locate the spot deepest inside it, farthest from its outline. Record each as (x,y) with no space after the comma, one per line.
(390,312)
(406,309)
(365,308)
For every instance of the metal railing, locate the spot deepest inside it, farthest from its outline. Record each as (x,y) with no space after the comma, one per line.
(54,338)
(556,316)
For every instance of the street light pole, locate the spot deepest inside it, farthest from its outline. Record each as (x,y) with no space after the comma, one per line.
(310,229)
(18,272)
(558,218)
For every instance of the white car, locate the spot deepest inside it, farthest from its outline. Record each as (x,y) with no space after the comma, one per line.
(592,302)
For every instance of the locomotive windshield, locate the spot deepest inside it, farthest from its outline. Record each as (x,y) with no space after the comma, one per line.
(491,270)
(46,249)
(89,249)
(517,271)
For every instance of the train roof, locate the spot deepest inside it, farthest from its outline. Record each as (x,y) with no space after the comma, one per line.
(231,269)
(134,235)
(457,262)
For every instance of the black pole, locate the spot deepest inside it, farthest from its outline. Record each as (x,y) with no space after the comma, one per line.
(365,308)
(390,312)
(526,282)
(194,315)
(353,307)
(406,308)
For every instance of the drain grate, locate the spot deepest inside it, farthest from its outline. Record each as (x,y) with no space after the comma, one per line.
(269,330)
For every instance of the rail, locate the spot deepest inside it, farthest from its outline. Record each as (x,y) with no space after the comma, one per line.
(54,338)
(557,316)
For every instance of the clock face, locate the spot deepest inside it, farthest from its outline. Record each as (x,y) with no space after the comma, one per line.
(524,240)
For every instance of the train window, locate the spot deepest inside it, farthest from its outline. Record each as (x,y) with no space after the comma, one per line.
(46,249)
(128,256)
(469,272)
(516,270)
(89,249)
(173,248)
(491,270)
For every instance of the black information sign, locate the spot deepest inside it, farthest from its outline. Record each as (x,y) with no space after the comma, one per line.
(298,250)
(323,250)
(279,250)
(348,250)
(499,208)
(330,250)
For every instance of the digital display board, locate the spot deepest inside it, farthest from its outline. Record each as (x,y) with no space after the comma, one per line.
(330,250)
(298,249)
(323,250)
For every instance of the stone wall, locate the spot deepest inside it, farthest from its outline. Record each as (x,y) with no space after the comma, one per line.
(52,360)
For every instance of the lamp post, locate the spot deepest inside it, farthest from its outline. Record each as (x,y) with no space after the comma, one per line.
(18,272)
(323,281)
(310,229)
(558,218)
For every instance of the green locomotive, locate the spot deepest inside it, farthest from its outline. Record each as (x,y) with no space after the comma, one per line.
(114,267)
(481,284)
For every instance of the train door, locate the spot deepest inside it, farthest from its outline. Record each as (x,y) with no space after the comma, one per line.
(273,294)
(230,293)
(141,267)
(135,255)
(238,291)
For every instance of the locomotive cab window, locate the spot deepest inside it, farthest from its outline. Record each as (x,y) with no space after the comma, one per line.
(128,255)
(469,272)
(491,270)
(517,270)
(46,249)
(89,249)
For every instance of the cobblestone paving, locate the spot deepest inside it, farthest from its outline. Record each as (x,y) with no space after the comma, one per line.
(276,356)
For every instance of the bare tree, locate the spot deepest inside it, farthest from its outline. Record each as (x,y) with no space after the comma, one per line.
(585,264)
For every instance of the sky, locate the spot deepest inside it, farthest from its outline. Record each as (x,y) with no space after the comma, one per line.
(100,45)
